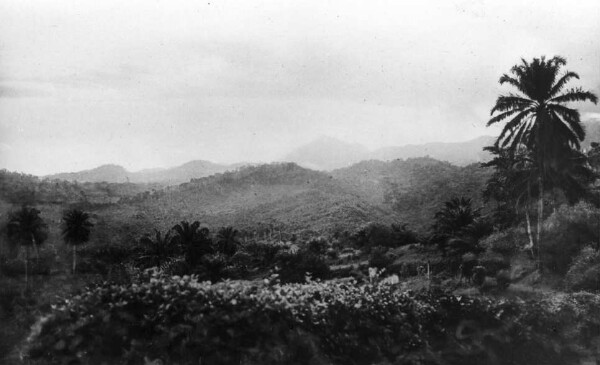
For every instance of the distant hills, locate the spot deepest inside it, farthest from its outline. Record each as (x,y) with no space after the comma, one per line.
(168,176)
(323,154)
(329,153)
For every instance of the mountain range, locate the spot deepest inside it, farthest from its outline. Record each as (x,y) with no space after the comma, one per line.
(167,176)
(323,154)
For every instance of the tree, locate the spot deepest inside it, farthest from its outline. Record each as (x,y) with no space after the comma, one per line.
(76,230)
(456,215)
(454,220)
(226,241)
(158,249)
(195,241)
(539,119)
(26,228)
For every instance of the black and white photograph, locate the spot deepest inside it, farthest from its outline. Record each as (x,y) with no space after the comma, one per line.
(309,182)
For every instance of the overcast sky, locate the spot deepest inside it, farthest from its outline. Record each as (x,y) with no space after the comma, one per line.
(158,83)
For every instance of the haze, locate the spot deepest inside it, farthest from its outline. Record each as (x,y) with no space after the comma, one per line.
(158,83)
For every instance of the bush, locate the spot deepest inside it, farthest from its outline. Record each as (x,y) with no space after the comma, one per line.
(565,233)
(493,262)
(380,258)
(479,275)
(16,267)
(100,259)
(507,242)
(293,267)
(584,273)
(263,254)
(318,246)
(179,320)
(503,279)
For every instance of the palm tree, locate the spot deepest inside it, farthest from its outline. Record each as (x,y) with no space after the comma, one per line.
(510,184)
(26,228)
(160,248)
(194,240)
(227,242)
(538,117)
(76,230)
(455,216)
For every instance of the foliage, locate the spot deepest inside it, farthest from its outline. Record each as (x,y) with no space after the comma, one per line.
(25,227)
(180,320)
(194,239)
(506,242)
(157,250)
(380,258)
(540,120)
(568,230)
(76,230)
(263,254)
(77,227)
(293,267)
(377,234)
(226,241)
(584,272)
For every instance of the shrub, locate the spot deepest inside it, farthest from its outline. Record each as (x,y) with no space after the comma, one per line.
(100,259)
(380,258)
(503,279)
(565,233)
(16,267)
(318,246)
(493,262)
(584,273)
(179,320)
(293,267)
(478,275)
(507,242)
(263,254)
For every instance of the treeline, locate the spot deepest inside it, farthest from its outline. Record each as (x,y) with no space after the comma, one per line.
(18,189)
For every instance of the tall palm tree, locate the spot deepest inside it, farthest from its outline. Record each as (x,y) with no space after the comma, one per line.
(76,230)
(227,242)
(26,228)
(539,118)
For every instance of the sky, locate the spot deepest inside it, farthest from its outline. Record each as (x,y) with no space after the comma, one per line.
(148,83)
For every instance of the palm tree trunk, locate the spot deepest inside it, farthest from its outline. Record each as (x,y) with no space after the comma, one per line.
(540,219)
(37,253)
(26,268)
(528,220)
(74,258)
(529,233)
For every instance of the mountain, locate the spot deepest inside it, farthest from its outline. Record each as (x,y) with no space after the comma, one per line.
(168,176)
(108,173)
(327,153)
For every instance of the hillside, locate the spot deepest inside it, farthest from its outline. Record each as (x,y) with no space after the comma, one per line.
(414,188)
(285,196)
(168,176)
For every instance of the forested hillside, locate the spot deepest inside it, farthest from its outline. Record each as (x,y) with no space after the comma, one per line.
(414,188)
